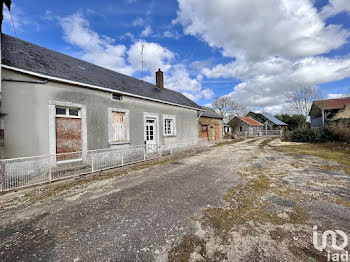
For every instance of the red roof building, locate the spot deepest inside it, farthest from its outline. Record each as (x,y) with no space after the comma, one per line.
(250,121)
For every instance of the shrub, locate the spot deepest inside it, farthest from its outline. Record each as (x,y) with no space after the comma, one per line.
(312,135)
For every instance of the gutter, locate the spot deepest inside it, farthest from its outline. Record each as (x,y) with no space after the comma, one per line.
(57,79)
(25,81)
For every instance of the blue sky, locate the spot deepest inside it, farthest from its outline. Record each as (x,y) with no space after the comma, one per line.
(252,50)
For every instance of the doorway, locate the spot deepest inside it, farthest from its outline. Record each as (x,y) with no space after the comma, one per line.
(151,135)
(204,131)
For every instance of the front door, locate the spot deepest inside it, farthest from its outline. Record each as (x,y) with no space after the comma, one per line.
(204,131)
(151,135)
(217,132)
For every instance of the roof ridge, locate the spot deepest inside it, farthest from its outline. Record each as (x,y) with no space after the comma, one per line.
(338,98)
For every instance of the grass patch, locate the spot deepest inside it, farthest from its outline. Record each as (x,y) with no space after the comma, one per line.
(333,151)
(252,140)
(229,142)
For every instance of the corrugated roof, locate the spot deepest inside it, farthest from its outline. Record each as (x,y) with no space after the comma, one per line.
(336,103)
(210,113)
(274,119)
(27,56)
(250,121)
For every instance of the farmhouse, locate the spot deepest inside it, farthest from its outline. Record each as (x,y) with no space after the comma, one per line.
(53,103)
(333,114)
(269,121)
(245,125)
(210,124)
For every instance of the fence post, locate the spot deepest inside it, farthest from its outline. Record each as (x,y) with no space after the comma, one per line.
(144,153)
(122,159)
(50,169)
(281,132)
(159,150)
(92,163)
(171,149)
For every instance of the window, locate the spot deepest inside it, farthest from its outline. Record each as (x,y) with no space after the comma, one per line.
(117,97)
(240,128)
(169,125)
(118,126)
(68,112)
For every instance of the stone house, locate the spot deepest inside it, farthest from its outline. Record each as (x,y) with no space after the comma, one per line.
(210,125)
(333,114)
(269,121)
(245,126)
(53,103)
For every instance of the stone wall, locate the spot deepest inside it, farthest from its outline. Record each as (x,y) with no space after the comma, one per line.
(340,127)
(211,123)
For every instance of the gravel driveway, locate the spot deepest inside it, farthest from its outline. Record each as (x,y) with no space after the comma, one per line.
(166,211)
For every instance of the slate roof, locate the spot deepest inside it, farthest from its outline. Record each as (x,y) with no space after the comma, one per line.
(337,103)
(28,56)
(250,121)
(274,119)
(210,113)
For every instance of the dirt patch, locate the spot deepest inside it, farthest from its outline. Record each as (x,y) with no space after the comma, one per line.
(269,215)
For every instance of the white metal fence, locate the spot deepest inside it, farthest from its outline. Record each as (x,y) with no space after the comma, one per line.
(27,171)
(255,133)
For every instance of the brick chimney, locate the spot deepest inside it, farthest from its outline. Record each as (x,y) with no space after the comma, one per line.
(159,79)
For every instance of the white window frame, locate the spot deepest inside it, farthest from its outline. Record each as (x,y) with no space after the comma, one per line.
(173,125)
(52,126)
(67,115)
(127,126)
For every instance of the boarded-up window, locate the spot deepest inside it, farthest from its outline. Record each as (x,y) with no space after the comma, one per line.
(119,127)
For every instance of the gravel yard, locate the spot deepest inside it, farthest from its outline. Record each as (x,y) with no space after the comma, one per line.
(245,201)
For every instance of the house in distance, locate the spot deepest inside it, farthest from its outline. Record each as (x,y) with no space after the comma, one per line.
(210,124)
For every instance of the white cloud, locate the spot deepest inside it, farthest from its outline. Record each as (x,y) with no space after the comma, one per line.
(331,96)
(335,7)
(146,31)
(180,80)
(265,83)
(277,45)
(256,29)
(138,22)
(171,34)
(96,48)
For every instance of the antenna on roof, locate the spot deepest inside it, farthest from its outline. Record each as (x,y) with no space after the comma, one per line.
(142,62)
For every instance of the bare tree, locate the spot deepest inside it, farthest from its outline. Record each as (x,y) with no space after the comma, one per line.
(240,110)
(299,101)
(223,105)
(228,108)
